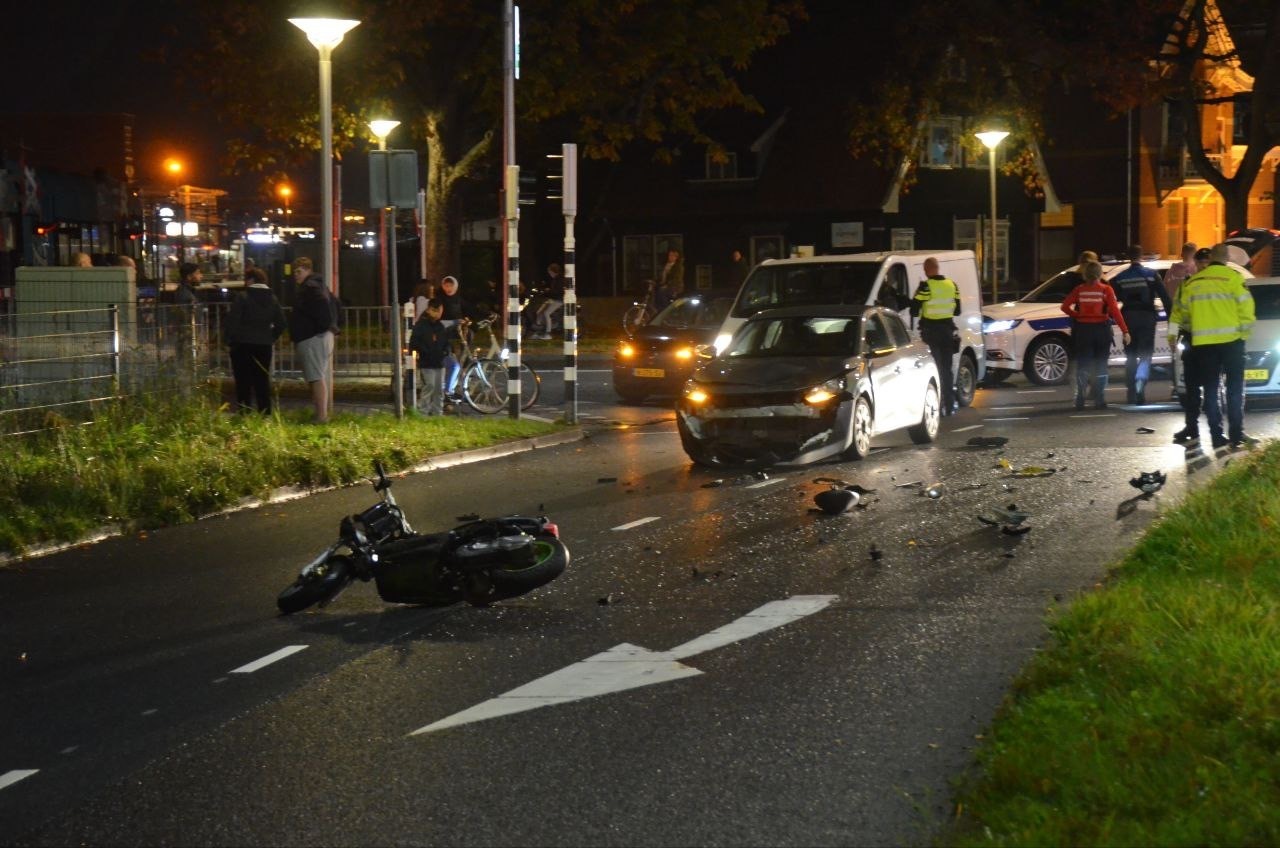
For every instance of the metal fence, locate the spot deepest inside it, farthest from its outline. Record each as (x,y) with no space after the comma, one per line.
(55,365)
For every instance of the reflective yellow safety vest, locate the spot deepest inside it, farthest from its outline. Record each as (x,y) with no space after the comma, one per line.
(1213,306)
(939,299)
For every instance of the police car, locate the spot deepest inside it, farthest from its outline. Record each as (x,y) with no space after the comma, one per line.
(1262,350)
(1033,335)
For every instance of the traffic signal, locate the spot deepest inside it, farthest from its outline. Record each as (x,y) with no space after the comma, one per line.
(528,194)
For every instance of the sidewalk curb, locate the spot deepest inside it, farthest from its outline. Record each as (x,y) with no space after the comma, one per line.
(293,493)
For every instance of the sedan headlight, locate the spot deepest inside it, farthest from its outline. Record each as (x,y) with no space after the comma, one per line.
(825,393)
(1001,326)
(684,353)
(696,395)
(626,351)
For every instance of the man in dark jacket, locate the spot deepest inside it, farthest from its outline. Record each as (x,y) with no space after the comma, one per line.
(312,325)
(455,309)
(1137,289)
(254,322)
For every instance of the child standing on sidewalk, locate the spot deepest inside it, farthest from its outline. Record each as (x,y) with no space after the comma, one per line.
(430,341)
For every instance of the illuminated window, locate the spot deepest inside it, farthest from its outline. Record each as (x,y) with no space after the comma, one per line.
(727,170)
(942,147)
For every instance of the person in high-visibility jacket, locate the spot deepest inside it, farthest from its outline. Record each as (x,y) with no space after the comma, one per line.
(1092,306)
(1215,310)
(937,302)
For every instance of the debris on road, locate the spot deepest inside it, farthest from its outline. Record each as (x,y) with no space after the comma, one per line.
(1149,482)
(988,441)
(712,484)
(606,479)
(1008,518)
(875,553)
(844,484)
(912,484)
(1034,471)
(1144,431)
(933,492)
(610,599)
(836,500)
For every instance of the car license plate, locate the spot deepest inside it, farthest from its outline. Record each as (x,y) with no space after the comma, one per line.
(1256,374)
(649,372)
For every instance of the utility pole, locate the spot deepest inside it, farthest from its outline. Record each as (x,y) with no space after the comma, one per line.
(569,206)
(510,207)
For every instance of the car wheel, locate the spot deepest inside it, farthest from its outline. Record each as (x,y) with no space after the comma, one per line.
(966,380)
(694,449)
(863,424)
(927,430)
(1048,361)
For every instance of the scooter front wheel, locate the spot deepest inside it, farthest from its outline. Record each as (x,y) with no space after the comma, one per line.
(319,587)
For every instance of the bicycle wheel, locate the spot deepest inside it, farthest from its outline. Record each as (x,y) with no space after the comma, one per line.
(484,386)
(530,383)
(634,317)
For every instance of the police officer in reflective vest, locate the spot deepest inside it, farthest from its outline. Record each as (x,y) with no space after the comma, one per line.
(1137,289)
(1092,306)
(937,302)
(1216,310)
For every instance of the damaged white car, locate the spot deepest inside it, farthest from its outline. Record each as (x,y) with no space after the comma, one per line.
(805,384)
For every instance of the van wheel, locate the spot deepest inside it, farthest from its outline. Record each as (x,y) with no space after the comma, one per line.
(966,380)
(1048,361)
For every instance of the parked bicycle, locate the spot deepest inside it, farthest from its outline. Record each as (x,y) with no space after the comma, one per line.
(641,312)
(483,371)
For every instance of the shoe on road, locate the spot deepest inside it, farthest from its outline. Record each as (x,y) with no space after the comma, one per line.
(1186,435)
(1244,440)
(1219,441)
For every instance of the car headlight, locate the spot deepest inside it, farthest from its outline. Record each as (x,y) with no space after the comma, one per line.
(696,395)
(1001,326)
(722,342)
(626,351)
(684,353)
(825,393)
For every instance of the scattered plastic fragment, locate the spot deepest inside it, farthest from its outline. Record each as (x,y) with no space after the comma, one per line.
(1034,471)
(610,598)
(988,441)
(1015,531)
(909,485)
(1149,482)
(1004,463)
(1005,517)
(933,492)
(875,553)
(760,475)
(712,484)
(835,501)
(1144,430)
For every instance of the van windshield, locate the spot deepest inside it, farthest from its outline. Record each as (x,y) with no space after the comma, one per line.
(806,284)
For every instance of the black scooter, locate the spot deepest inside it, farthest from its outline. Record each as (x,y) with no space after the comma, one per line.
(479,561)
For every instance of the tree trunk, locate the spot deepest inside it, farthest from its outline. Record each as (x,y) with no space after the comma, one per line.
(442,231)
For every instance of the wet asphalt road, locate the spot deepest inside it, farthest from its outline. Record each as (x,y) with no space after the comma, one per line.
(119,660)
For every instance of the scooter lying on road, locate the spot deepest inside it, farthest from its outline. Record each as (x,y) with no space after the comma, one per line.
(479,561)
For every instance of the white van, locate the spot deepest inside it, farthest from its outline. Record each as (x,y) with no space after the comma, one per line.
(884,279)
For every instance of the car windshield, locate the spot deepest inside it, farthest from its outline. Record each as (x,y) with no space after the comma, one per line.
(695,311)
(796,336)
(806,284)
(1266,301)
(1056,288)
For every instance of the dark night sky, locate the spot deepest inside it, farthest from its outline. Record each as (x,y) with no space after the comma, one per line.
(85,57)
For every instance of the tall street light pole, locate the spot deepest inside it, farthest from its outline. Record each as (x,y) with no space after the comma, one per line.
(390,269)
(326,34)
(992,139)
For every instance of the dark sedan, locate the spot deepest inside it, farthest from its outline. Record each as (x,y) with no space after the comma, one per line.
(805,384)
(659,356)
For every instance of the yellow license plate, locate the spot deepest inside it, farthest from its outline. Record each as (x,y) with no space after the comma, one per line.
(649,372)
(1256,374)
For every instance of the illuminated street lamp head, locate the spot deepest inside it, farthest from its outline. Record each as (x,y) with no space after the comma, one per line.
(173,166)
(324,32)
(285,191)
(991,138)
(382,129)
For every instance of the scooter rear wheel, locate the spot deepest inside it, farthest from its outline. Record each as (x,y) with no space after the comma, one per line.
(550,559)
(318,588)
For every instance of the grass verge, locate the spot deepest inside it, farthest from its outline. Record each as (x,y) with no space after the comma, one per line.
(1153,717)
(153,461)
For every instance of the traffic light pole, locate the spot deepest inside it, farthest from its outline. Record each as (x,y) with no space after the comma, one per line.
(569,205)
(510,205)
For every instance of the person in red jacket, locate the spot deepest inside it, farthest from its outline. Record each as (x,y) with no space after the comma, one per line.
(1090,305)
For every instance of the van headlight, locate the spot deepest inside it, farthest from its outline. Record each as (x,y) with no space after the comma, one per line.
(1002,326)
(695,394)
(722,342)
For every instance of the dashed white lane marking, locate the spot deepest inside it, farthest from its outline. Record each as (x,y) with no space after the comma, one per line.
(963,429)
(637,522)
(221,679)
(629,666)
(70,749)
(275,656)
(1008,408)
(538,418)
(11,777)
(764,483)
(150,712)
(1097,415)
(1006,419)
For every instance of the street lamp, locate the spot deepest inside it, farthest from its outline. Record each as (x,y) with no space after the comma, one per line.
(992,139)
(381,129)
(326,34)
(286,193)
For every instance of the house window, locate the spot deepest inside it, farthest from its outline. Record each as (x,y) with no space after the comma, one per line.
(941,144)
(727,170)
(644,256)
(765,247)
(902,238)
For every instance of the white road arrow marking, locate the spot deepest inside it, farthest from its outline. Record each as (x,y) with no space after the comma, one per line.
(629,525)
(628,666)
(11,777)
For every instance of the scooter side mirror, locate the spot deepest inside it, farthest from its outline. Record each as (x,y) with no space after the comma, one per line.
(383,482)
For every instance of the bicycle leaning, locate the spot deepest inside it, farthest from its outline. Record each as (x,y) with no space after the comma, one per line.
(483,376)
(641,312)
